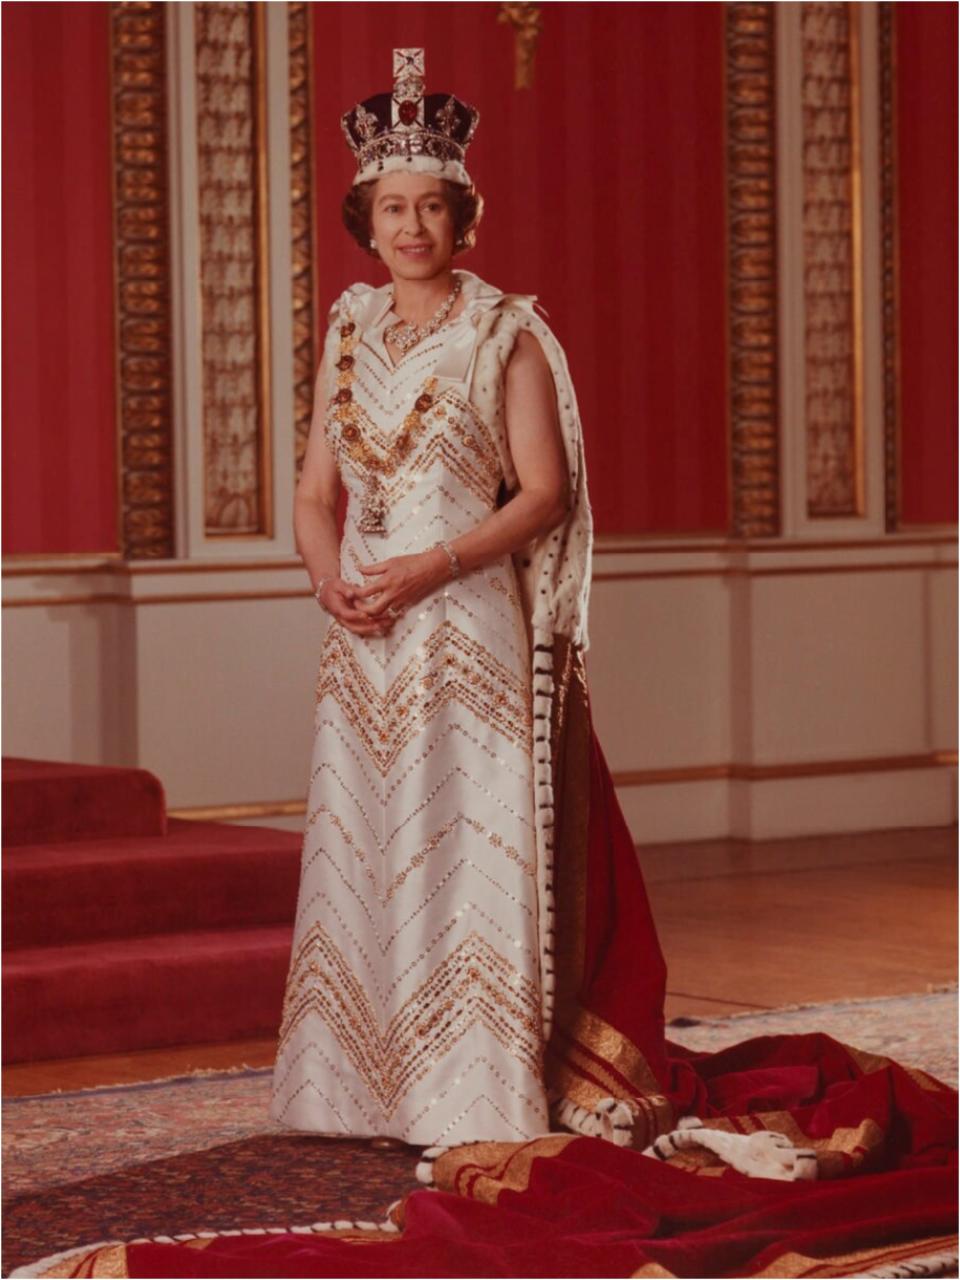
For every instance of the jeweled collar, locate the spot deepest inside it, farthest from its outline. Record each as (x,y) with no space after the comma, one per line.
(480,296)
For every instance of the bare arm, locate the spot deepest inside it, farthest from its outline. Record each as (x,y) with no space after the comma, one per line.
(536,445)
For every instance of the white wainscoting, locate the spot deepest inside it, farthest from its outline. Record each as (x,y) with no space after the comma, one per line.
(753,689)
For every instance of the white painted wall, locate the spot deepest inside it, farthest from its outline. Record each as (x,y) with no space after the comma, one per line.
(771,654)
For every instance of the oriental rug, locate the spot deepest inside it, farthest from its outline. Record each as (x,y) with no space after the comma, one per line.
(916,1030)
(198,1152)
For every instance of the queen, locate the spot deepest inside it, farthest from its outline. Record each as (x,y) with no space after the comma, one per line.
(420,990)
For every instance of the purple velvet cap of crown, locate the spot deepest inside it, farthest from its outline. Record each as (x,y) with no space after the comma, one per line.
(410,129)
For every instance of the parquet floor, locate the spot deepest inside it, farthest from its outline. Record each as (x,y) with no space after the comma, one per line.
(744,925)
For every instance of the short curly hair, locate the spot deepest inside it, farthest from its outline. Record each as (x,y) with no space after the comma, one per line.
(466,206)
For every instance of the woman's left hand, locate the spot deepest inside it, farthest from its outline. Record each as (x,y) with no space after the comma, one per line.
(402,581)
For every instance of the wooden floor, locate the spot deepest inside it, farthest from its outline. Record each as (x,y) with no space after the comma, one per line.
(743,926)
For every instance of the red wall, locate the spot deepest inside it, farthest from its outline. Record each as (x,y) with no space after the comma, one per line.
(604,189)
(59,418)
(926,40)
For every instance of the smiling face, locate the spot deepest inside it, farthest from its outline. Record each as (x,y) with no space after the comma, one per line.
(412,223)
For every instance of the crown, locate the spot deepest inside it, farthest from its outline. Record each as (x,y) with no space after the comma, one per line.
(409,129)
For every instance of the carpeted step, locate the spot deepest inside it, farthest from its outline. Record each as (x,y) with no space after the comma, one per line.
(142,993)
(45,800)
(201,875)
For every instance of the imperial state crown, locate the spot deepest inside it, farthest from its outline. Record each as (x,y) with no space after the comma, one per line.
(409,129)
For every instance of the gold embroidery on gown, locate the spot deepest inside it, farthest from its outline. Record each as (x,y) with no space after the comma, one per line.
(413,998)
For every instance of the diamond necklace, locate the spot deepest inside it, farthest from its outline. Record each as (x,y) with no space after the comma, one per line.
(405,334)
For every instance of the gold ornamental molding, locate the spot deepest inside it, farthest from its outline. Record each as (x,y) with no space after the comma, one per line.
(776,571)
(121,597)
(752,270)
(832,259)
(300,593)
(786,769)
(303,231)
(232,195)
(243,812)
(28,564)
(527,23)
(631,778)
(142,337)
(890,264)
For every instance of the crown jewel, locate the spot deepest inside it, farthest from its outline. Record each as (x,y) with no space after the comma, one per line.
(410,129)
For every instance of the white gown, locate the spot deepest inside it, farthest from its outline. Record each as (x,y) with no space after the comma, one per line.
(413,999)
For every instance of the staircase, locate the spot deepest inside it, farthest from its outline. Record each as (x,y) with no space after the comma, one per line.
(126,929)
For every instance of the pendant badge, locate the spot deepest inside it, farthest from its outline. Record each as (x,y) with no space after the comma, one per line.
(374,507)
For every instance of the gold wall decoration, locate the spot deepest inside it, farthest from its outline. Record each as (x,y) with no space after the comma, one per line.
(832,270)
(527,24)
(752,270)
(234,283)
(889,266)
(306,338)
(142,280)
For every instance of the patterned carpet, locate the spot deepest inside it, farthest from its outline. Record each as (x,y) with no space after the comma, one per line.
(917,1030)
(199,1152)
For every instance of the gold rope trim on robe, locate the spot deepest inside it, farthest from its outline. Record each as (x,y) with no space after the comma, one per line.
(481,1170)
(107,1260)
(621,1055)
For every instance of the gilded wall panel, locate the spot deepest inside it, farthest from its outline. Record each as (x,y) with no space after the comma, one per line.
(142,280)
(231,189)
(752,271)
(306,338)
(889,265)
(833,341)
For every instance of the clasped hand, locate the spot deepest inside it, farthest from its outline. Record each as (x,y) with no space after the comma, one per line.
(400,581)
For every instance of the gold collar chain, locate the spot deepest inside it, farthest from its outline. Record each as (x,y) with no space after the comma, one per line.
(373,463)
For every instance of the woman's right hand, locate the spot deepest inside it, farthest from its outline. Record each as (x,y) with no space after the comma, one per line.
(337,597)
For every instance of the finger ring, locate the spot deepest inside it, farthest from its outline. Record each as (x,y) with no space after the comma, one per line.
(392,612)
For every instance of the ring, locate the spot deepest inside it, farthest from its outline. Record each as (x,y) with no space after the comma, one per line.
(392,612)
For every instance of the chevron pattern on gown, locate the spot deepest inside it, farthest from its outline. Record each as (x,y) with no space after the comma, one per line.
(412,1005)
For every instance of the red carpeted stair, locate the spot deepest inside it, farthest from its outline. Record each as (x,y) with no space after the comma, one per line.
(46,800)
(156,932)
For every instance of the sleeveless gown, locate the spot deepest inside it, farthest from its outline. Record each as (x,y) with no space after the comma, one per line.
(413,997)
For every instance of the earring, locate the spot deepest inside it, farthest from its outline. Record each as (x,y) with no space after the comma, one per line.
(373,243)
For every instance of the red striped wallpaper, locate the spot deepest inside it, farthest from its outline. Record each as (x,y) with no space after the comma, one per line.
(926,54)
(604,189)
(59,418)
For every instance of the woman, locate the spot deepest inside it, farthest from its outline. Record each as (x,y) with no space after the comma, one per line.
(418,994)
(474,958)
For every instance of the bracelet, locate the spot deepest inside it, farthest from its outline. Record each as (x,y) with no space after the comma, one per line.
(319,587)
(455,569)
